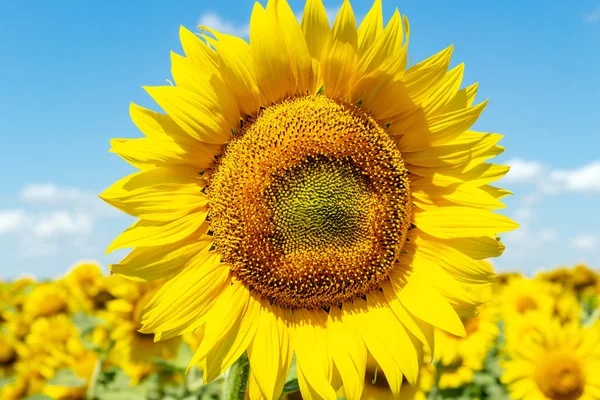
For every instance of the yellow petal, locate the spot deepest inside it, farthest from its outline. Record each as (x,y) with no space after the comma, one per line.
(161,194)
(495,192)
(223,322)
(237,70)
(428,271)
(271,351)
(481,174)
(427,304)
(156,233)
(271,60)
(462,222)
(428,196)
(477,248)
(315,26)
(299,54)
(339,58)
(156,125)
(463,99)
(370,28)
(385,352)
(348,353)
(149,263)
(459,265)
(421,330)
(451,154)
(199,52)
(233,344)
(438,130)
(165,151)
(313,362)
(187,296)
(445,91)
(384,48)
(217,95)
(201,116)
(406,93)
(380,62)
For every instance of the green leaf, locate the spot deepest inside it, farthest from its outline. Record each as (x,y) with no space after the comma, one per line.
(67,378)
(38,397)
(86,323)
(6,380)
(291,386)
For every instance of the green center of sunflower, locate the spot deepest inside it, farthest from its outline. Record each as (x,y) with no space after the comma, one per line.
(310,203)
(321,203)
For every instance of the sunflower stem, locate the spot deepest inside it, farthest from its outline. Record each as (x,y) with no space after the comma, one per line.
(234,387)
(91,390)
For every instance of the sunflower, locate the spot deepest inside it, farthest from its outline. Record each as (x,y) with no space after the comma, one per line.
(563,365)
(309,194)
(87,284)
(134,351)
(522,296)
(8,354)
(53,344)
(47,299)
(458,357)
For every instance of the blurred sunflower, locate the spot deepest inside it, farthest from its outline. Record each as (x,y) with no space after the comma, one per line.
(309,194)
(8,354)
(584,279)
(563,365)
(134,351)
(54,344)
(522,296)
(87,284)
(522,329)
(46,299)
(458,357)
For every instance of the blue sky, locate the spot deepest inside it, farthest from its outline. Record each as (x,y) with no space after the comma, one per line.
(70,69)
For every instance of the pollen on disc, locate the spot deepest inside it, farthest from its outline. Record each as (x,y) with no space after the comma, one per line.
(309,203)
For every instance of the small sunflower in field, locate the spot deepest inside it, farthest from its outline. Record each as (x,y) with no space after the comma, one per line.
(562,365)
(47,299)
(134,351)
(310,193)
(88,285)
(522,296)
(584,279)
(53,344)
(522,329)
(8,354)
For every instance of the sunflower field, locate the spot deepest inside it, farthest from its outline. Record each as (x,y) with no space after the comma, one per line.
(77,337)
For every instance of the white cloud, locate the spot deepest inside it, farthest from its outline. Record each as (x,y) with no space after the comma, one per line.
(584,179)
(214,21)
(586,242)
(581,180)
(523,171)
(592,17)
(62,222)
(51,195)
(53,219)
(12,220)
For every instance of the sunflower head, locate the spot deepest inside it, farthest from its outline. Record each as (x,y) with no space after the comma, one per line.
(307,181)
(45,300)
(560,366)
(310,181)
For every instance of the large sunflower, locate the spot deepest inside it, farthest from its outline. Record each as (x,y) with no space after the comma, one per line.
(309,194)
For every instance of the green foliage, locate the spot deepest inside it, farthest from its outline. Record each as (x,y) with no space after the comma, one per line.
(67,378)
